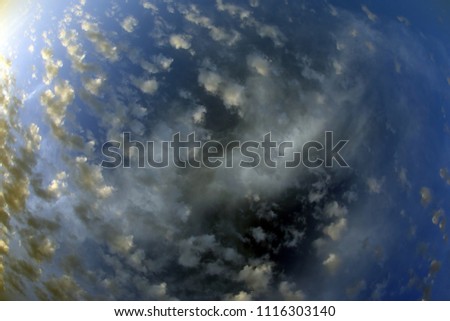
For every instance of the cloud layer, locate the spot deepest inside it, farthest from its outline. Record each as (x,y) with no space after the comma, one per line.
(70,229)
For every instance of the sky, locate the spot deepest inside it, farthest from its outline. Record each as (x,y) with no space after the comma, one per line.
(82,73)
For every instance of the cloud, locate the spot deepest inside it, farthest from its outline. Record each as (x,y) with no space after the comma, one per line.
(336,229)
(51,66)
(90,178)
(64,288)
(157,64)
(271,32)
(199,115)
(232,9)
(354,290)
(159,291)
(263,30)
(375,185)
(332,263)
(254,3)
(443,172)
(241,296)
(193,15)
(147,86)
(258,64)
(129,24)
(58,185)
(4,248)
(15,193)
(425,195)
(121,244)
(26,269)
(210,80)
(40,248)
(179,41)
(150,6)
(192,249)
(258,234)
(369,13)
(233,95)
(101,43)
(157,234)
(288,292)
(69,40)
(94,85)
(256,277)
(163,62)
(333,209)
(57,101)
(403,20)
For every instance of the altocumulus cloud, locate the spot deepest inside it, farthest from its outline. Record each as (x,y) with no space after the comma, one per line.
(70,229)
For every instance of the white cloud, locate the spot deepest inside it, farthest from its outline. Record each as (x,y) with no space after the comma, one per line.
(263,30)
(233,95)
(32,138)
(150,6)
(56,102)
(101,43)
(332,263)
(426,195)
(338,67)
(90,178)
(4,248)
(94,85)
(271,32)
(192,249)
(147,86)
(199,115)
(69,39)
(254,3)
(288,292)
(258,64)
(375,185)
(159,291)
(333,209)
(210,80)
(51,66)
(161,214)
(232,9)
(64,288)
(192,14)
(121,243)
(180,41)
(40,248)
(58,185)
(241,296)
(257,278)
(129,24)
(336,229)
(163,62)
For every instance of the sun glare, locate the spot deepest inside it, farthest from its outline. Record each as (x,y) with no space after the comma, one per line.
(11,20)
